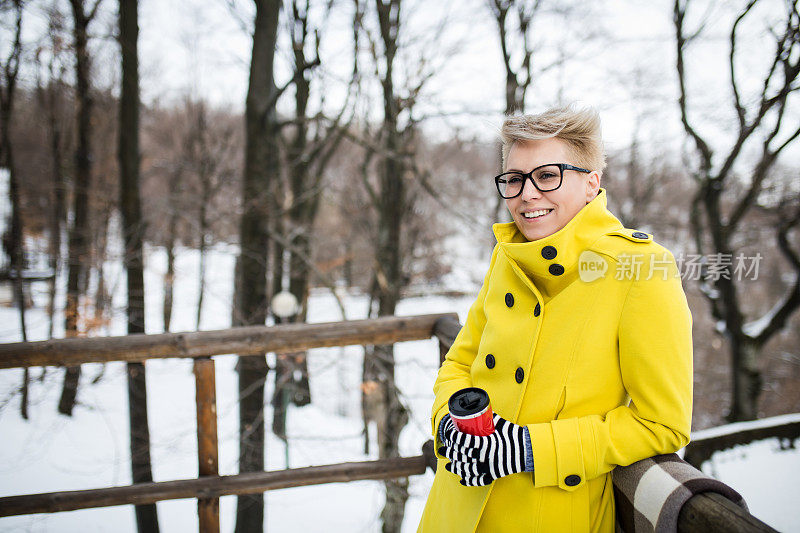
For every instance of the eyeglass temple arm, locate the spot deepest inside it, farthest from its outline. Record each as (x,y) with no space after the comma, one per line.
(572,167)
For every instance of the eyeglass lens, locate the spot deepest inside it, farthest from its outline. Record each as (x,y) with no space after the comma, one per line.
(546,178)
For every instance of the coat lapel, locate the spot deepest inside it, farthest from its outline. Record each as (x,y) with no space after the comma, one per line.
(551,263)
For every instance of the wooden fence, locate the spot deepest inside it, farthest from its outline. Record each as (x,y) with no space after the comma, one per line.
(200,346)
(703,447)
(704,512)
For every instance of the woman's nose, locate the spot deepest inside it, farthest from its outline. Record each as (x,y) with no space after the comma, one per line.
(529,191)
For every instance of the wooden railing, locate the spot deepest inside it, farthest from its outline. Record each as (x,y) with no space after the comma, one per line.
(200,346)
(248,340)
(702,513)
(785,428)
(208,489)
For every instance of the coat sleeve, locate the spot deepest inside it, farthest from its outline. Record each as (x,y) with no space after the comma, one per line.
(655,356)
(454,374)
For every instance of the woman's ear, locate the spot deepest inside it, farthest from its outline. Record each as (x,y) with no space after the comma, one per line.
(592,185)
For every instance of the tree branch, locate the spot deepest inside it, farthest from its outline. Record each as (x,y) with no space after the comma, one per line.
(93,11)
(783,56)
(679,12)
(276,96)
(783,311)
(11,66)
(761,171)
(734,85)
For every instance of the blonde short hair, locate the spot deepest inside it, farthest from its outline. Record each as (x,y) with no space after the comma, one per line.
(579,128)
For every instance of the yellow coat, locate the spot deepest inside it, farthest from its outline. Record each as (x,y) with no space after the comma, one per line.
(599,370)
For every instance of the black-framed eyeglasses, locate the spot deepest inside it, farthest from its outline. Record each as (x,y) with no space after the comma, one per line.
(545,178)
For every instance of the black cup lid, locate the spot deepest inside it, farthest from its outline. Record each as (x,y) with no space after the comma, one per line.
(468,401)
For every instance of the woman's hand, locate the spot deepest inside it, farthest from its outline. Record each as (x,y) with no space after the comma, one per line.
(480,460)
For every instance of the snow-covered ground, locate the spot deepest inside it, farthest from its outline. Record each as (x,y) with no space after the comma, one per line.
(51,452)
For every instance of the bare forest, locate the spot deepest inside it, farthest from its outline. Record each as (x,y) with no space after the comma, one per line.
(345,164)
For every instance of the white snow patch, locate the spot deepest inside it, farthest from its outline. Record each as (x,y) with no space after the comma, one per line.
(738,427)
(766,477)
(756,327)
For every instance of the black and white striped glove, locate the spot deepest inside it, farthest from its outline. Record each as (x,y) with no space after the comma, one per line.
(478,461)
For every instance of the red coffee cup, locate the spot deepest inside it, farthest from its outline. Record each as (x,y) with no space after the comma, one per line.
(471,412)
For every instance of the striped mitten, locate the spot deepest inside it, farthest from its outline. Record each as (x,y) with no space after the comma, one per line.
(480,460)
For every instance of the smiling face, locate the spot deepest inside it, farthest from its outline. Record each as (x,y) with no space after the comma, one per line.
(539,214)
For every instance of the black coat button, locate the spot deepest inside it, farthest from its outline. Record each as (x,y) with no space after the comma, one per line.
(639,235)
(549,252)
(537,310)
(489,361)
(519,375)
(572,480)
(509,299)
(556,269)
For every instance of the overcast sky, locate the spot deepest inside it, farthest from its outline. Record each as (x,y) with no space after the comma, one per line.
(201,44)
(619,57)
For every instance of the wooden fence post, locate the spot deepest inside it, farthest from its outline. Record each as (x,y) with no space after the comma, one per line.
(207,452)
(446,329)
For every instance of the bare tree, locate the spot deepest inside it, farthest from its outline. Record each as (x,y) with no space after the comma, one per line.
(311,141)
(207,153)
(191,176)
(174,180)
(133,232)
(250,303)
(51,94)
(519,76)
(103,205)
(79,233)
(390,184)
(165,174)
(10,70)
(725,197)
(390,200)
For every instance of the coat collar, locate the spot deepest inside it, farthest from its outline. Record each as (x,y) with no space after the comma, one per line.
(551,263)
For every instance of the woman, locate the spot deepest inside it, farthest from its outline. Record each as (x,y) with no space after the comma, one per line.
(580,334)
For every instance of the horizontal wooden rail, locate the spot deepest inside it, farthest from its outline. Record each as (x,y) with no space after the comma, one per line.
(243,340)
(709,511)
(210,487)
(700,450)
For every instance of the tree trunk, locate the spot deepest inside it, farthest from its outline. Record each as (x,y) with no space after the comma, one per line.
(56,227)
(169,283)
(299,287)
(201,288)
(79,233)
(58,214)
(746,381)
(172,238)
(15,234)
(301,216)
(390,278)
(102,299)
(133,232)
(283,375)
(261,164)
(15,243)
(204,174)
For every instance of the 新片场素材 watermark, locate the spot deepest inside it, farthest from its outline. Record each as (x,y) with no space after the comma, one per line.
(708,267)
